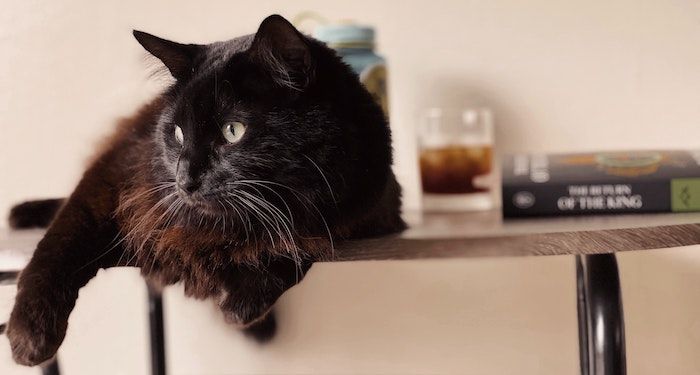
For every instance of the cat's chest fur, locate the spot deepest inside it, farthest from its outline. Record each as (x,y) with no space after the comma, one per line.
(200,254)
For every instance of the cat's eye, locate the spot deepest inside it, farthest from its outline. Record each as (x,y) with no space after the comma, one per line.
(233,131)
(179,137)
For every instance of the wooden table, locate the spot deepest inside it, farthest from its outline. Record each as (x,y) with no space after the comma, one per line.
(593,240)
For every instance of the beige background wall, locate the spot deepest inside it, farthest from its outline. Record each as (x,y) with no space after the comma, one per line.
(560,76)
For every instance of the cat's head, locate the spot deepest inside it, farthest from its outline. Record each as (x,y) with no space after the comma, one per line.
(273,123)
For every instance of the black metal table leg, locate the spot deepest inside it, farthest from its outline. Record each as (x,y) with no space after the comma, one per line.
(600,315)
(51,368)
(157,332)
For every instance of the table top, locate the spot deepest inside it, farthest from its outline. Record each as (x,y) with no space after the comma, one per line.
(487,234)
(475,234)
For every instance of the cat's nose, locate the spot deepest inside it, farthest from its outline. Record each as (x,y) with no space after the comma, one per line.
(189,186)
(188,177)
(186,183)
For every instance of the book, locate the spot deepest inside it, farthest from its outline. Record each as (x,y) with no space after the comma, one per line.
(601,183)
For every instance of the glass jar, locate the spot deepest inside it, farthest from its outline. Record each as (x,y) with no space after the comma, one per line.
(355,45)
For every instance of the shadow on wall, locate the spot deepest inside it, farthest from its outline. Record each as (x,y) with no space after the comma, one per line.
(399,317)
(659,290)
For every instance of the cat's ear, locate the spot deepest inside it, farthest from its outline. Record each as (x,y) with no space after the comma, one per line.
(178,58)
(284,51)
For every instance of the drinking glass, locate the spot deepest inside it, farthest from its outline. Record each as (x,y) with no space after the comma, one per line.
(455,148)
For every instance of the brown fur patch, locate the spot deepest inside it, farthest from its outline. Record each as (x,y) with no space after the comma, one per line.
(194,249)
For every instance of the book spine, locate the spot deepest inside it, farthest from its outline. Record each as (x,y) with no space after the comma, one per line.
(548,199)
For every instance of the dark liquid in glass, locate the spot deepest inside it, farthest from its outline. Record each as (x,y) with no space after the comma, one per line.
(452,169)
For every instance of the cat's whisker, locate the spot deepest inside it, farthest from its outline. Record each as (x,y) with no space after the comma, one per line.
(273,211)
(273,220)
(298,195)
(177,204)
(156,223)
(295,192)
(286,225)
(240,216)
(201,221)
(256,213)
(305,201)
(289,211)
(263,201)
(282,224)
(139,226)
(247,224)
(268,217)
(148,193)
(223,228)
(323,175)
(143,221)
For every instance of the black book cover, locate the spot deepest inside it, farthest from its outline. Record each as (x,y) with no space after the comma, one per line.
(601,183)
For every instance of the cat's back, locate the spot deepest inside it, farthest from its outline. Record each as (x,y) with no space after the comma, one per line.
(131,137)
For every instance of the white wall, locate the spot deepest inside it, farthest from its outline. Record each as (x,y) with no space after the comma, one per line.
(560,76)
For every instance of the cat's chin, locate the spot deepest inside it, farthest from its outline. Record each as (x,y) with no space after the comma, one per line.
(202,205)
(205,208)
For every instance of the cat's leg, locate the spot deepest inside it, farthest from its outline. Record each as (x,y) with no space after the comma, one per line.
(79,242)
(251,292)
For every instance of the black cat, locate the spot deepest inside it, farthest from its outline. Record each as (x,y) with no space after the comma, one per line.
(265,152)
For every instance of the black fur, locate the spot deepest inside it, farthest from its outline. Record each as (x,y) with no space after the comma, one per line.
(235,217)
(34,214)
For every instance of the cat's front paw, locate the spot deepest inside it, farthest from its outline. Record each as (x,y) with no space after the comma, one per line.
(36,329)
(244,311)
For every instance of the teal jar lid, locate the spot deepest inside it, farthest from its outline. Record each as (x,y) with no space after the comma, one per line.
(345,36)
